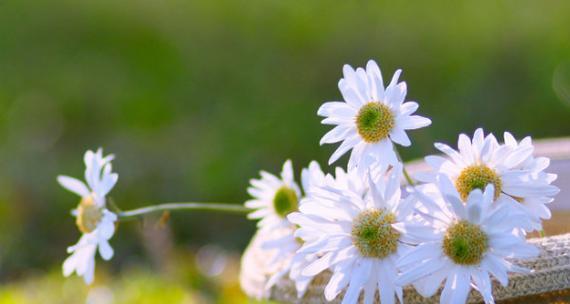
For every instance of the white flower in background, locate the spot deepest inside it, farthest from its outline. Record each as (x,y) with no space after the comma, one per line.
(534,203)
(370,118)
(284,244)
(350,229)
(517,177)
(92,218)
(463,244)
(274,198)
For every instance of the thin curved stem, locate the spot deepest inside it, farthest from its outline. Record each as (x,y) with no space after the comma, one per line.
(223,207)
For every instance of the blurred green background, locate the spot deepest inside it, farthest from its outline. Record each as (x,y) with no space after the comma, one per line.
(194,98)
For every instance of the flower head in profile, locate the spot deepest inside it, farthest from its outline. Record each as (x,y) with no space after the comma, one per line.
(370,118)
(283,244)
(93,219)
(463,244)
(535,202)
(274,198)
(349,227)
(516,176)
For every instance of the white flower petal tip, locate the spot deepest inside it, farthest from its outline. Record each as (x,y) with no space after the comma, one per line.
(96,223)
(371,117)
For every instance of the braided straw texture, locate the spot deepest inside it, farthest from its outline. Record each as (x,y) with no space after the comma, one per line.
(550,272)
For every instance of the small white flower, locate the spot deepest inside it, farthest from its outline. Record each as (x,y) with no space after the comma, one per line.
(283,244)
(463,244)
(516,176)
(370,118)
(348,226)
(274,198)
(92,218)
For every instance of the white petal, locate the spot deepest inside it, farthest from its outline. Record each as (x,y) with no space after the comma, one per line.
(73,185)
(413,122)
(358,277)
(399,136)
(346,145)
(496,267)
(375,79)
(408,108)
(337,134)
(425,269)
(518,156)
(530,189)
(107,183)
(417,232)
(338,281)
(478,138)
(462,287)
(318,265)
(287,172)
(336,108)
(456,157)
(419,254)
(435,161)
(428,286)
(483,284)
(69,265)
(89,274)
(386,286)
(326,244)
(350,94)
(464,145)
(105,250)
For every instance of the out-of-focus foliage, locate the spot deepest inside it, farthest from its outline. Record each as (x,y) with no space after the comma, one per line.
(195,97)
(181,284)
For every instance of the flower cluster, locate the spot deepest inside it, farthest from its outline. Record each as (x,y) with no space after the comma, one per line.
(374,235)
(456,230)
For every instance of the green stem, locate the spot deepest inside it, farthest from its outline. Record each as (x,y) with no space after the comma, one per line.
(541,233)
(229,208)
(409,179)
(411,182)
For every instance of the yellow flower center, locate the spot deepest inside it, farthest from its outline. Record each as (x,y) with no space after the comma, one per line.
(374,121)
(88,215)
(477,177)
(285,201)
(373,235)
(465,243)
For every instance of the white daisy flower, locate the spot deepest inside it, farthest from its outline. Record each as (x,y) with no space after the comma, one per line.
(482,161)
(463,244)
(536,204)
(349,228)
(274,198)
(370,118)
(284,244)
(92,217)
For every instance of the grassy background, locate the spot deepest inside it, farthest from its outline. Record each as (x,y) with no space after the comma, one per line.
(195,97)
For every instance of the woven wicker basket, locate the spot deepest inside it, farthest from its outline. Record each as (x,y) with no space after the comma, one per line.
(549,282)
